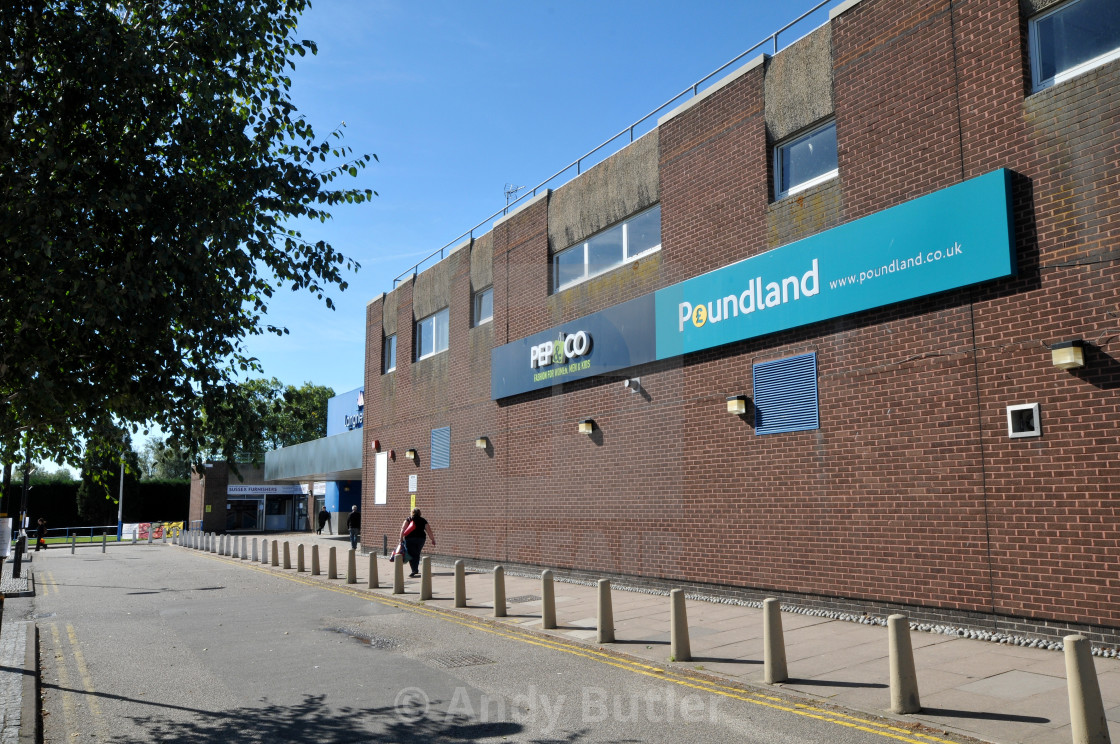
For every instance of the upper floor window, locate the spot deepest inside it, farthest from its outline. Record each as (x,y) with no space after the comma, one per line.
(389,353)
(805,160)
(431,335)
(603,251)
(1073,38)
(483,306)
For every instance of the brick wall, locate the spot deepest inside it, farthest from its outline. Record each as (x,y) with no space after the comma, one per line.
(910,493)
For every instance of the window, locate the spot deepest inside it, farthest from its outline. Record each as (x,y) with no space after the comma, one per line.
(1073,38)
(389,354)
(603,251)
(441,448)
(785,395)
(483,306)
(431,335)
(806,160)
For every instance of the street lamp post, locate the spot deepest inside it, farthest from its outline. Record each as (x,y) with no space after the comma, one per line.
(120,505)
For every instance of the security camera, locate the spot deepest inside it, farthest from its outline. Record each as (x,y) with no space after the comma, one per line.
(632,383)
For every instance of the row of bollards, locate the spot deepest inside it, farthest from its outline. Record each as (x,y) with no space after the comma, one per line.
(1087,716)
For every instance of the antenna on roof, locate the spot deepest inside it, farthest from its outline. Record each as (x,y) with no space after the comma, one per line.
(511,192)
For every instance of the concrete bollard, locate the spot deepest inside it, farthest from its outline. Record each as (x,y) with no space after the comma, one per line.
(221,544)
(425,578)
(314,560)
(499,591)
(244,545)
(149,534)
(773,643)
(104,540)
(460,584)
(287,556)
(1087,721)
(373,583)
(254,558)
(134,533)
(73,544)
(332,563)
(679,646)
(275,553)
(604,632)
(300,566)
(352,566)
(213,542)
(548,601)
(904,680)
(163,537)
(398,575)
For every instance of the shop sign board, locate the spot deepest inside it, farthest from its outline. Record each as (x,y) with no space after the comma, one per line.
(952,238)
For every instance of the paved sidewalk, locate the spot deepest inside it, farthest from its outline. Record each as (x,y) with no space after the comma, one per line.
(990,691)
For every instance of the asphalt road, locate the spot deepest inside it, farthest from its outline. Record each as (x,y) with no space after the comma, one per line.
(161,644)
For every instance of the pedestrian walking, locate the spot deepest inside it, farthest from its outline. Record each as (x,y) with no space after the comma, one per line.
(41,533)
(354,524)
(324,522)
(415,531)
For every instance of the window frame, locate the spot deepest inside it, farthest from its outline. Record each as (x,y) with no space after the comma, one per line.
(788,142)
(476,312)
(583,245)
(1038,84)
(417,355)
(389,349)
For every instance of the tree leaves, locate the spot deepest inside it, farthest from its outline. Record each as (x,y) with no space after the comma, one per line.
(152,158)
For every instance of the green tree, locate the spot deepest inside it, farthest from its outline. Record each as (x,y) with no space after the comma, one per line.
(153,168)
(98,494)
(263,414)
(159,460)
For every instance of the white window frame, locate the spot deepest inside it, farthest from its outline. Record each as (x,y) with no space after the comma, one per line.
(477,303)
(1067,74)
(390,343)
(810,183)
(438,318)
(627,257)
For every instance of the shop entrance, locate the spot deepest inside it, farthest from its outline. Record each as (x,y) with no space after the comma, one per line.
(243,514)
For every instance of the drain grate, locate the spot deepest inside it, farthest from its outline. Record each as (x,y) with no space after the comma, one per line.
(523,598)
(458,659)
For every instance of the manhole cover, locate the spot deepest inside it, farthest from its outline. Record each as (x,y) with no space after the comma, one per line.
(458,659)
(523,598)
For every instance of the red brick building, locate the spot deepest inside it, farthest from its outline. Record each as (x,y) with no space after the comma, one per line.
(944,463)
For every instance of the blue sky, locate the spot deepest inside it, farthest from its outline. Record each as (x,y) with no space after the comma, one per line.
(459,98)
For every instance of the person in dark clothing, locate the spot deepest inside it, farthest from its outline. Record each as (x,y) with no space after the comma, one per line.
(415,531)
(41,533)
(354,524)
(324,521)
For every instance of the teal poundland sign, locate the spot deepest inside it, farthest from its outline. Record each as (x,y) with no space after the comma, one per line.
(951,238)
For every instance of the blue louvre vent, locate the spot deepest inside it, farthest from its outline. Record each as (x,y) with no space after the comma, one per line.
(441,448)
(785,395)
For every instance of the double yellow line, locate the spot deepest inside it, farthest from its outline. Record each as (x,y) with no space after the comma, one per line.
(884,729)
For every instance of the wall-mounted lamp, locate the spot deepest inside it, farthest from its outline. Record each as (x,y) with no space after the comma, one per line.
(393,455)
(375,445)
(587,426)
(482,442)
(410,454)
(1068,354)
(737,404)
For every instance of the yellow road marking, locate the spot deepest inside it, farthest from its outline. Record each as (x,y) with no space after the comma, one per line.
(680,678)
(87,682)
(65,688)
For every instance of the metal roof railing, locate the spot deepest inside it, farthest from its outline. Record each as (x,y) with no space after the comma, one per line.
(577,164)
